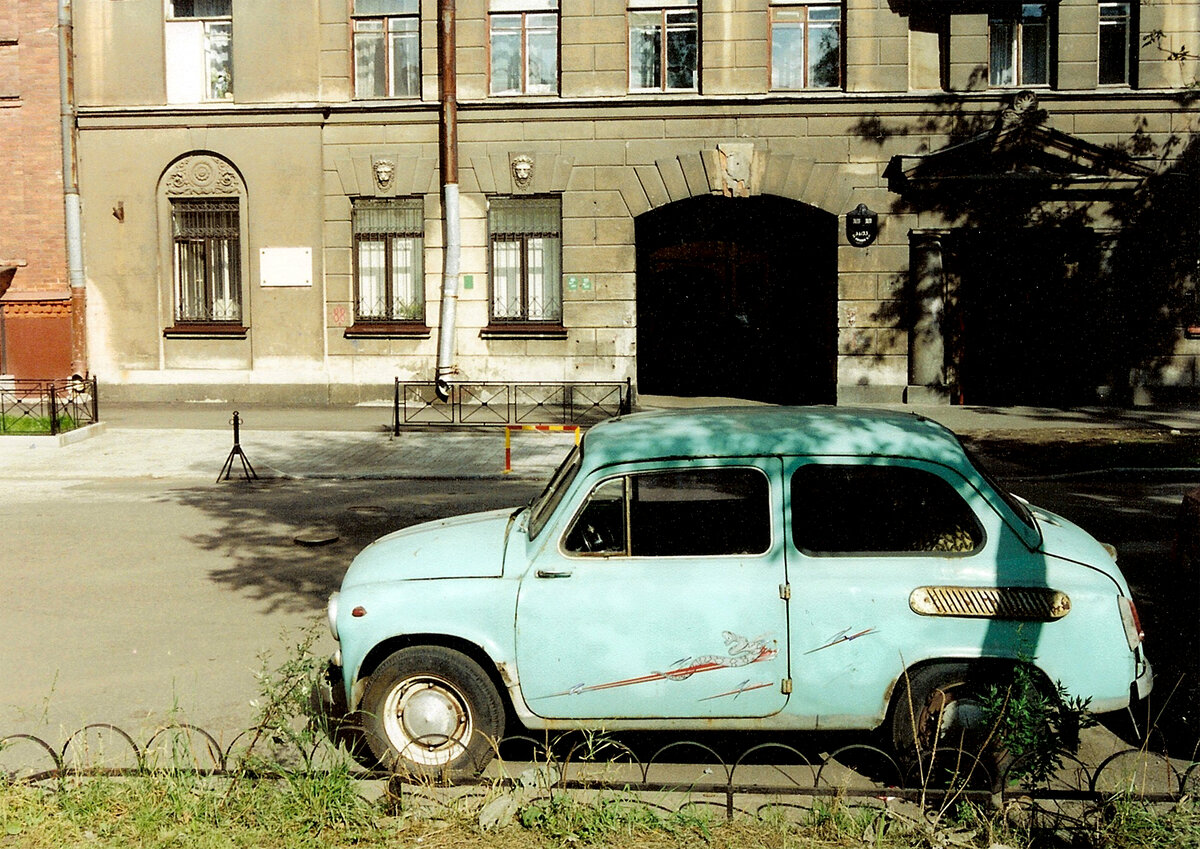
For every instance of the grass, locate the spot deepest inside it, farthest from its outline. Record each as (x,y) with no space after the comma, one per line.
(35,424)
(298,811)
(319,802)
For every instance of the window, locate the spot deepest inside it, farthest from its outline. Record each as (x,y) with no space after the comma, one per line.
(1019,46)
(1116,44)
(526,255)
(663,46)
(208,277)
(389,276)
(387,48)
(678,513)
(199,48)
(806,45)
(524,46)
(879,509)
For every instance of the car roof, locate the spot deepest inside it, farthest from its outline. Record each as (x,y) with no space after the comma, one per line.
(766,430)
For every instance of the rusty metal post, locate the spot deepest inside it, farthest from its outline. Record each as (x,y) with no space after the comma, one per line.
(451,224)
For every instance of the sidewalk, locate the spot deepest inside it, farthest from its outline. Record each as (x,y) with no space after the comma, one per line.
(194,440)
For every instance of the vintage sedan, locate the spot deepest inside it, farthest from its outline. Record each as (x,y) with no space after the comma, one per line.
(742,568)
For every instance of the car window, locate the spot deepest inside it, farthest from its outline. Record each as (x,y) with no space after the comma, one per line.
(676,513)
(543,506)
(843,509)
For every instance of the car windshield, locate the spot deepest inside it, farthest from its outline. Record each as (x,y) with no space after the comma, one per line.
(543,506)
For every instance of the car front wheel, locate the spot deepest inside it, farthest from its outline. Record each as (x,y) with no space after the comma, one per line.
(432,711)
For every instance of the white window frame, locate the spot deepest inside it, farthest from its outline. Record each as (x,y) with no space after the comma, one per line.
(398,287)
(1126,23)
(534,17)
(525,263)
(1016,43)
(672,17)
(392,24)
(199,55)
(806,24)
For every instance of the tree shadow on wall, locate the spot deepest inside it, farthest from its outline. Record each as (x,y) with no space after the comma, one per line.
(1066,270)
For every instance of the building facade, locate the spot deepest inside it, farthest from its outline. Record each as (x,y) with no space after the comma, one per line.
(851,201)
(35,296)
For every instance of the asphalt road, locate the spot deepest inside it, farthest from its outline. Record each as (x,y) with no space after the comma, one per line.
(159,599)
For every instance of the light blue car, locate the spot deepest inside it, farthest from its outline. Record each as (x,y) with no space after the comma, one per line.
(742,568)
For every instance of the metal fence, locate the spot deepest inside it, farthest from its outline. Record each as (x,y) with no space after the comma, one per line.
(48,406)
(727,780)
(497,404)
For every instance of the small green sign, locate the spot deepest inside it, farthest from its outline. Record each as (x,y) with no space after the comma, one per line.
(468,281)
(572,283)
(587,284)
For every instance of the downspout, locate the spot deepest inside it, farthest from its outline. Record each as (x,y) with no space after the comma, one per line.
(70,176)
(451,224)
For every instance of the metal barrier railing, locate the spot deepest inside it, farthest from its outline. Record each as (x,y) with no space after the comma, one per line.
(777,770)
(48,406)
(496,404)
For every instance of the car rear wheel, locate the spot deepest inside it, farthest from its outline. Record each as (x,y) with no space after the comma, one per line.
(939,724)
(432,711)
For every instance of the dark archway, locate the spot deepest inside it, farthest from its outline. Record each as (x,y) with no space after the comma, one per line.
(737,297)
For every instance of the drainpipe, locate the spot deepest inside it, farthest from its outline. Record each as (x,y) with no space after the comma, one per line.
(74,225)
(451,225)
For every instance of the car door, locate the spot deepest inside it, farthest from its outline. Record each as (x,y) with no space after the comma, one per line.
(657,594)
(865,536)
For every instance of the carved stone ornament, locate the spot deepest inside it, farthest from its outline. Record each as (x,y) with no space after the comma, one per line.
(202,175)
(385,171)
(522,171)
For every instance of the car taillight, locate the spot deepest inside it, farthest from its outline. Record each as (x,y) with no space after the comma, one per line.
(1133,624)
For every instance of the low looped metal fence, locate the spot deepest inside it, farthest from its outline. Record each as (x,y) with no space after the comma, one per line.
(48,406)
(857,773)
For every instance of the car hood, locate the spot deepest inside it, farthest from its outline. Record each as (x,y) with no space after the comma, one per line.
(1063,538)
(470,546)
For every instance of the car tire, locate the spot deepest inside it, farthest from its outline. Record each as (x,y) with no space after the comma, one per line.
(430,711)
(939,710)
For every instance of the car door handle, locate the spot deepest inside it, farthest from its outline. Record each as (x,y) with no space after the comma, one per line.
(546,573)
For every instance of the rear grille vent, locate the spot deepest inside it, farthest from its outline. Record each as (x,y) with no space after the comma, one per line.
(1038,604)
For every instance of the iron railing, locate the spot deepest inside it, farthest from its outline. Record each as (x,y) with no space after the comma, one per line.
(48,406)
(487,403)
(777,774)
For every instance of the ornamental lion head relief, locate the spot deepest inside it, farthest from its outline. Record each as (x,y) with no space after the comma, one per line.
(385,171)
(202,175)
(522,171)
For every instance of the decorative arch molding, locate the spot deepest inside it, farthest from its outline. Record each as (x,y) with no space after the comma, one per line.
(736,169)
(196,176)
(202,175)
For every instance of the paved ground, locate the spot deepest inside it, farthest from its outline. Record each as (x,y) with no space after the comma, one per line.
(136,585)
(194,440)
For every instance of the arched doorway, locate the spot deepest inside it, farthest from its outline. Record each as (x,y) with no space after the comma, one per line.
(737,297)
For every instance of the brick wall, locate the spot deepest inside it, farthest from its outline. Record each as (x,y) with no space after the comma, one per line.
(32,229)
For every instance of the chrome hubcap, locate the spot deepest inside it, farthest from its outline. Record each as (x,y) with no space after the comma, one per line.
(427,720)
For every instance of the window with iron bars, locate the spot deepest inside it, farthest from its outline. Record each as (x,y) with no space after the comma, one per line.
(387,48)
(208,276)
(389,278)
(526,259)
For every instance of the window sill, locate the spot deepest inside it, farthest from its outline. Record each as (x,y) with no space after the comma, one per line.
(523,331)
(206,330)
(386,330)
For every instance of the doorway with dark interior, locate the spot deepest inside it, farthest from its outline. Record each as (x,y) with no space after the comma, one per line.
(737,298)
